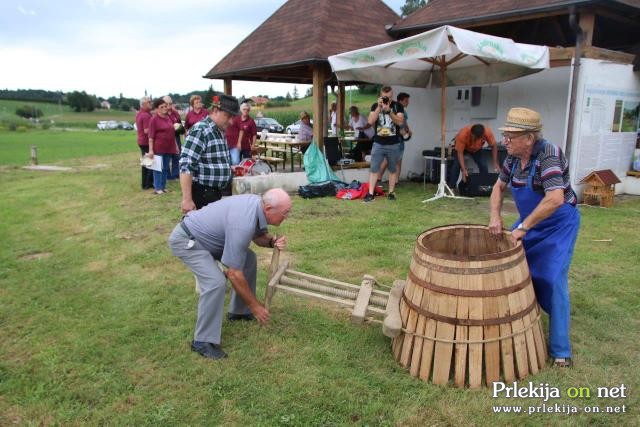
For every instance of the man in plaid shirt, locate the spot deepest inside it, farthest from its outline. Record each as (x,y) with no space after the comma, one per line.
(205,169)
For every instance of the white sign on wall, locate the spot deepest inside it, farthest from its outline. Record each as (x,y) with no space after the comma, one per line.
(608,130)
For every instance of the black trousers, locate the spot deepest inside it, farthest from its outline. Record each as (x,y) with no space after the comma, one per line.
(146,176)
(202,195)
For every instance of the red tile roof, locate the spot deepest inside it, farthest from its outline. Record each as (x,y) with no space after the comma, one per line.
(606,176)
(304,32)
(460,12)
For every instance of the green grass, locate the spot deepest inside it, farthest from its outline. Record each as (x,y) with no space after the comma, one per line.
(96,316)
(56,145)
(62,115)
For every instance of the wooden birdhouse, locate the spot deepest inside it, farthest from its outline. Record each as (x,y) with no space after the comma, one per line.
(600,187)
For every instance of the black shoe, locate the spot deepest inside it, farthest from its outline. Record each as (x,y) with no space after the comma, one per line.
(369,198)
(208,350)
(234,317)
(392,196)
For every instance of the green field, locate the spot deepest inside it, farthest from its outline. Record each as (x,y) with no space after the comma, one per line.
(55,145)
(61,115)
(96,316)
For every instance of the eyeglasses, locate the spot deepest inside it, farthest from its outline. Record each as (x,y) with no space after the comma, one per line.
(509,138)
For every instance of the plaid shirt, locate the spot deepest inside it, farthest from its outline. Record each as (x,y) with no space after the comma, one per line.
(205,155)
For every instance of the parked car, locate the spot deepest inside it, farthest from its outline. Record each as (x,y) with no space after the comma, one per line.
(271,125)
(125,125)
(102,125)
(294,128)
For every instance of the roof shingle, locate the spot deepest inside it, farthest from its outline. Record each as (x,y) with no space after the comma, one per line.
(303,32)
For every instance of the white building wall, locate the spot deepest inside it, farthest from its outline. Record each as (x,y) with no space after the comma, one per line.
(546,92)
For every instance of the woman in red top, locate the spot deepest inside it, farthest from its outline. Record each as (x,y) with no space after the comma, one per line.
(241,135)
(196,113)
(162,142)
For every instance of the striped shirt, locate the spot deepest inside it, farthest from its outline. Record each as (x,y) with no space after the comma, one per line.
(205,155)
(552,171)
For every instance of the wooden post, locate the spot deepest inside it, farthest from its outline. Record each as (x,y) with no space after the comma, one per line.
(362,301)
(319,91)
(227,86)
(587,24)
(340,111)
(392,325)
(34,155)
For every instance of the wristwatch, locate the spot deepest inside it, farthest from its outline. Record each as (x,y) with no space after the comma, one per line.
(522,227)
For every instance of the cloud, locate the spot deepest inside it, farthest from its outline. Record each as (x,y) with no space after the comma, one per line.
(26,12)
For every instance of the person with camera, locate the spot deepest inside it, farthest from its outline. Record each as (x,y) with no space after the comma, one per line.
(205,171)
(387,118)
(405,134)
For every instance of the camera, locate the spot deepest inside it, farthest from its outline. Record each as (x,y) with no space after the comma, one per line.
(385,99)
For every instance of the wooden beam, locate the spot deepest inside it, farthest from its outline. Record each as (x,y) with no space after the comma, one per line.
(587,23)
(319,90)
(227,86)
(340,111)
(615,16)
(362,301)
(392,325)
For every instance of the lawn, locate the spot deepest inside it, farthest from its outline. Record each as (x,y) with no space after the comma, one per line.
(96,316)
(62,115)
(55,145)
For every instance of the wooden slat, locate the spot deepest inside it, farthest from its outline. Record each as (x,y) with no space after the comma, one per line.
(392,325)
(519,341)
(506,345)
(407,345)
(431,303)
(362,300)
(491,349)
(447,306)
(462,334)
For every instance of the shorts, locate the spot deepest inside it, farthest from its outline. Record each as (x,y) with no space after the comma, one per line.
(379,152)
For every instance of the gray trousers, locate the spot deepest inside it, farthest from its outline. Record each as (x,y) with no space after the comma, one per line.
(212,285)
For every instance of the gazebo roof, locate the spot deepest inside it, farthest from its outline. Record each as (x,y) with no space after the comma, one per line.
(457,12)
(302,34)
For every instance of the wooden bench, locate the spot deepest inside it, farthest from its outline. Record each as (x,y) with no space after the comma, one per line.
(270,140)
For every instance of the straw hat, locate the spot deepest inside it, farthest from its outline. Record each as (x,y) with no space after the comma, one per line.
(522,119)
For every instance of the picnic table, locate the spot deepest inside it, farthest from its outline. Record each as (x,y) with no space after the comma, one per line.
(282,143)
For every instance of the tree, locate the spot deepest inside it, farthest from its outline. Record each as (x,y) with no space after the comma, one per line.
(208,99)
(411,6)
(309,92)
(296,95)
(288,97)
(81,101)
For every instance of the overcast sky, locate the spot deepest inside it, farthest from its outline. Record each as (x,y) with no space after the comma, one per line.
(111,46)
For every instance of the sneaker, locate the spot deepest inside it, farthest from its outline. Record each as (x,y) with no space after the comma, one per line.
(159,192)
(208,350)
(391,196)
(369,198)
(235,317)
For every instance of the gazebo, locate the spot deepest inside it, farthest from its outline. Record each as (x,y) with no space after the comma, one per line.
(293,44)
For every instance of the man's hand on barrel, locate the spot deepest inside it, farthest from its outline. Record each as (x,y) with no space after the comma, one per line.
(495,225)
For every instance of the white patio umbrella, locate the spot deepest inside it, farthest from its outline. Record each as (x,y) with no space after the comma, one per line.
(445,56)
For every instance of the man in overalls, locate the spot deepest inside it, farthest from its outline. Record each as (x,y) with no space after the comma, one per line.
(538,174)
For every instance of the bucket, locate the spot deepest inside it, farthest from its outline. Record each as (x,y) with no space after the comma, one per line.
(469,311)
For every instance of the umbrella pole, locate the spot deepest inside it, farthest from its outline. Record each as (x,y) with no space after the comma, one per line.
(443,188)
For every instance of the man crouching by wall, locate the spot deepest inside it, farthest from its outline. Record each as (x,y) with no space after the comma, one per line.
(223,231)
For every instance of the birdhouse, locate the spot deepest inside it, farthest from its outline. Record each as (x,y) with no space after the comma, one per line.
(600,187)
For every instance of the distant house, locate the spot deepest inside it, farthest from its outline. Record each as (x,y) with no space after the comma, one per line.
(259,101)
(105,105)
